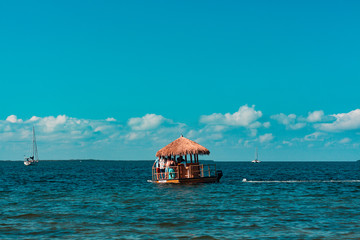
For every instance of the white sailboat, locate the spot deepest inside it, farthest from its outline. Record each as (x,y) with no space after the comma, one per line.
(34,158)
(256,160)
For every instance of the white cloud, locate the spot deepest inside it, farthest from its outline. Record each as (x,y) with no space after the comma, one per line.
(266,137)
(343,122)
(253,132)
(291,121)
(266,124)
(67,135)
(247,144)
(59,127)
(345,140)
(110,119)
(297,126)
(328,144)
(287,143)
(219,128)
(315,116)
(245,117)
(212,137)
(50,123)
(13,119)
(135,135)
(356,145)
(255,125)
(213,128)
(147,122)
(62,136)
(33,119)
(153,128)
(284,119)
(316,136)
(209,132)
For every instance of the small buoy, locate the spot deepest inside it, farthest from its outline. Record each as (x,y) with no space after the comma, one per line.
(244,180)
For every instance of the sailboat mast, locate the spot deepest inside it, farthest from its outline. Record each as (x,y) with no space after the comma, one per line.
(256,153)
(33,153)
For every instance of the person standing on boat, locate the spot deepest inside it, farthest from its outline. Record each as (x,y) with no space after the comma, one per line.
(180,159)
(171,170)
(172,163)
(168,164)
(162,168)
(157,168)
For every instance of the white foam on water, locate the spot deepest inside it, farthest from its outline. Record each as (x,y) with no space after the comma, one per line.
(302,181)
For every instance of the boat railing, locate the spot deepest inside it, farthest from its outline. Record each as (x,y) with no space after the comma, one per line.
(207,170)
(182,171)
(169,173)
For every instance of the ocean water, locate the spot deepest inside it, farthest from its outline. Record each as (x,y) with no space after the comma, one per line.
(113,200)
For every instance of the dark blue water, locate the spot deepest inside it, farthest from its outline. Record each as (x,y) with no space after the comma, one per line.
(112,200)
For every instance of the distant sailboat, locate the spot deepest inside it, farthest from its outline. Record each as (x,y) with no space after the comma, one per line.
(256,160)
(34,158)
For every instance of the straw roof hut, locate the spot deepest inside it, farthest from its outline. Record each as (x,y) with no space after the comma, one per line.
(181,147)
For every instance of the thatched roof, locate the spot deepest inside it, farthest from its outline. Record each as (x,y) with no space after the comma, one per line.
(182,146)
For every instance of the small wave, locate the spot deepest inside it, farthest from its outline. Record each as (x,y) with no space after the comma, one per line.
(26,216)
(204,237)
(168,224)
(301,181)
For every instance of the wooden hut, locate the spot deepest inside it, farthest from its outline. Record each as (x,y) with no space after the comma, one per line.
(182,147)
(183,154)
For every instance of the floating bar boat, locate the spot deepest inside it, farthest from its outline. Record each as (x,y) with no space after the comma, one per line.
(181,164)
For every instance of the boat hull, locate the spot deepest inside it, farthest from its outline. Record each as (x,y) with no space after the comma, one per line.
(188,180)
(28,163)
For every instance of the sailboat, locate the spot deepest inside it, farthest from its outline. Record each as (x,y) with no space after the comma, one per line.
(34,158)
(256,160)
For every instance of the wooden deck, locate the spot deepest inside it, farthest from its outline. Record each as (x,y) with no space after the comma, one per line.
(192,173)
(187,180)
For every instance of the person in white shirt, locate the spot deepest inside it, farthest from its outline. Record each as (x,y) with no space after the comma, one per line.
(162,168)
(157,168)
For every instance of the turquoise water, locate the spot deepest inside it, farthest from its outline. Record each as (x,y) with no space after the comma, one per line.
(112,200)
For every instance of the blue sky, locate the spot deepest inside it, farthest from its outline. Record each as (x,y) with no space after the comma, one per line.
(121,79)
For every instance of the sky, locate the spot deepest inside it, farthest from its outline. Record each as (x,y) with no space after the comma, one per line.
(121,79)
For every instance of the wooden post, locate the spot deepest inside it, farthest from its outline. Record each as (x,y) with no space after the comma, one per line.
(178,171)
(191,158)
(185,157)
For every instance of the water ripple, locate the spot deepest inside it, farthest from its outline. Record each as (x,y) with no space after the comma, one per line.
(112,200)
